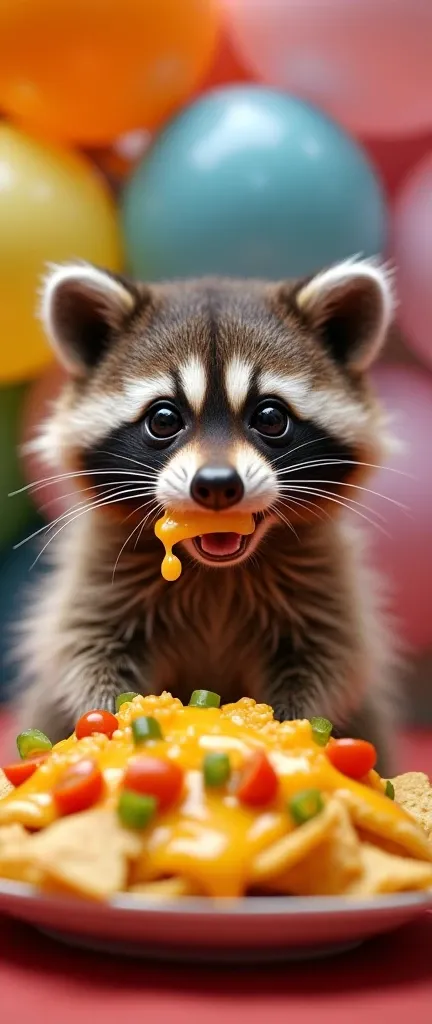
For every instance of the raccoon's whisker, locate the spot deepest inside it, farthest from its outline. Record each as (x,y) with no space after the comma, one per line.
(309,506)
(284,520)
(127,458)
(37,485)
(79,490)
(153,511)
(291,509)
(86,507)
(288,470)
(132,490)
(352,501)
(343,462)
(368,490)
(129,537)
(314,440)
(328,497)
(72,518)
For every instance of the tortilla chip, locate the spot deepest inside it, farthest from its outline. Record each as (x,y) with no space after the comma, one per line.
(12,835)
(384,873)
(165,889)
(16,859)
(6,787)
(283,854)
(87,853)
(327,870)
(413,792)
(401,830)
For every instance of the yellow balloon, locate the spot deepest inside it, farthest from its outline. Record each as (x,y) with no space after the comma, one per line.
(54,206)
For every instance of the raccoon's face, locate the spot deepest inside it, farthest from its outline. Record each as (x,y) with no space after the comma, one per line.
(217,395)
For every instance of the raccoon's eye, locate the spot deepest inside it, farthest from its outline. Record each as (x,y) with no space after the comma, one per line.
(271,420)
(163,422)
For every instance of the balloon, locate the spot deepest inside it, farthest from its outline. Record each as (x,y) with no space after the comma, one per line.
(53,206)
(226,67)
(396,158)
(85,71)
(250,182)
(405,553)
(14,512)
(413,254)
(57,496)
(366,62)
(16,580)
(118,160)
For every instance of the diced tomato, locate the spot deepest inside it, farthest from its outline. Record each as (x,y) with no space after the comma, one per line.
(79,787)
(354,758)
(20,771)
(96,721)
(154,777)
(259,782)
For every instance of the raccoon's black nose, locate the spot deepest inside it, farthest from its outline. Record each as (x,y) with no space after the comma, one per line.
(217,487)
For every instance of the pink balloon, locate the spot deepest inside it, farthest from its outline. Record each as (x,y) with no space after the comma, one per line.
(56,497)
(412,240)
(366,62)
(405,554)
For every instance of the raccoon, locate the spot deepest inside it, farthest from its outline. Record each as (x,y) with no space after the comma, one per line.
(219,395)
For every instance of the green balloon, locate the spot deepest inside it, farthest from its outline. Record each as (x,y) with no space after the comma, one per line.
(15,512)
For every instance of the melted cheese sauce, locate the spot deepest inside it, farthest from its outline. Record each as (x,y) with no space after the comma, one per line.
(170,529)
(209,837)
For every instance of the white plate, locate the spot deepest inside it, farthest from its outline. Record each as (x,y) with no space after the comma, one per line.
(201,930)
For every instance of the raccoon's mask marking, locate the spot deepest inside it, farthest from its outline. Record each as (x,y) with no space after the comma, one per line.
(218,393)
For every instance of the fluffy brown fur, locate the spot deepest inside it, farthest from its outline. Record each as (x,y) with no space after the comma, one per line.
(296,621)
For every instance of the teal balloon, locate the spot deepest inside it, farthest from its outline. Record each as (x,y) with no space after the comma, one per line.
(251,182)
(15,512)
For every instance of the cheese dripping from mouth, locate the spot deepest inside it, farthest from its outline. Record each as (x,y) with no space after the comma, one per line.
(208,526)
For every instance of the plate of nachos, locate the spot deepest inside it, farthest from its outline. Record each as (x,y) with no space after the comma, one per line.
(210,833)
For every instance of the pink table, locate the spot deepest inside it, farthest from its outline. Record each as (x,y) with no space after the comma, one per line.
(389,979)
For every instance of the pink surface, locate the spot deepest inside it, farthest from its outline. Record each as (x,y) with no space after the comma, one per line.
(388,978)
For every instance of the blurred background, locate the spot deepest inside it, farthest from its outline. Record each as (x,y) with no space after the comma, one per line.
(171,138)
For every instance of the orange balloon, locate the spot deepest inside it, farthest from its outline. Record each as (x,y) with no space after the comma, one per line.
(88,70)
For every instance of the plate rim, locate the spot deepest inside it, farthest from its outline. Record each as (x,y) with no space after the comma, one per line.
(201,906)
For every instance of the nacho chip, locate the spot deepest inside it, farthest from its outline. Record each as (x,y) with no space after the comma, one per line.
(205,839)
(5,786)
(88,853)
(384,872)
(16,857)
(329,868)
(398,829)
(283,854)
(413,792)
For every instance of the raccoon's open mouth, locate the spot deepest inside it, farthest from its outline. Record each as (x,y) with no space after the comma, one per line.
(221,547)
(227,547)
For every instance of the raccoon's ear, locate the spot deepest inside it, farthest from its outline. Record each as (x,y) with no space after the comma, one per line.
(82,307)
(351,306)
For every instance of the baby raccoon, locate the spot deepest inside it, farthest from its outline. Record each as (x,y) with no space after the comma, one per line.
(213,395)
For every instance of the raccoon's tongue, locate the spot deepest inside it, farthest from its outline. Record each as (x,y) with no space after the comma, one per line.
(221,543)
